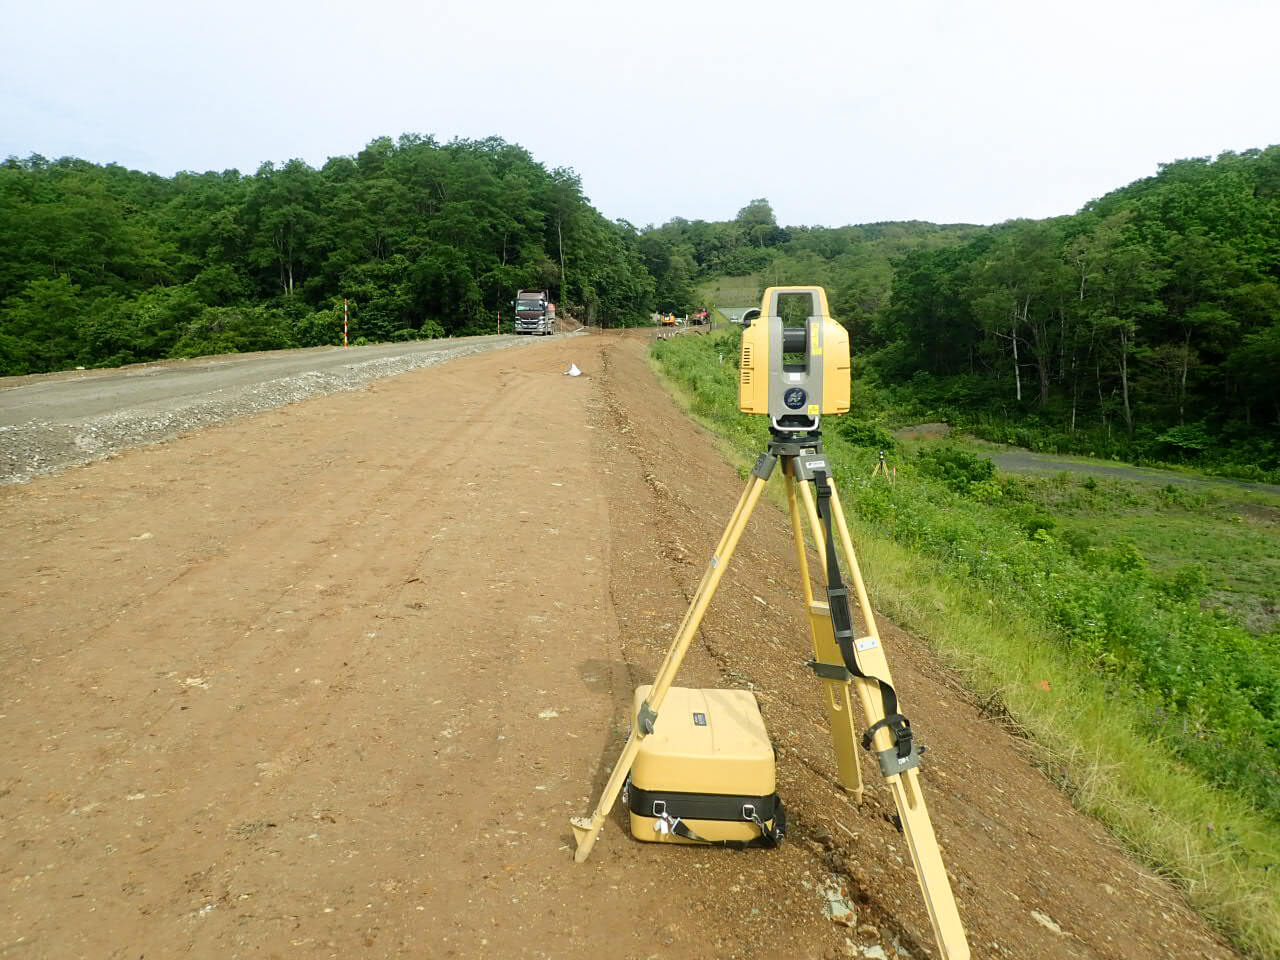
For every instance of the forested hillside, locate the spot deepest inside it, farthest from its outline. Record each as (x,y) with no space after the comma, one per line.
(100,265)
(853,262)
(1145,326)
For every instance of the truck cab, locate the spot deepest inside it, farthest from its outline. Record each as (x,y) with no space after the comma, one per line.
(535,313)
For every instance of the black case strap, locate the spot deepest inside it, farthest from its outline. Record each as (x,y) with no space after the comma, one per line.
(767,813)
(699,806)
(770,835)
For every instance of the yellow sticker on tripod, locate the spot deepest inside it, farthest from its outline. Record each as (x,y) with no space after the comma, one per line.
(817,351)
(813,409)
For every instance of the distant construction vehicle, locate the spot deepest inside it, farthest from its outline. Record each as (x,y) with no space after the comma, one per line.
(535,313)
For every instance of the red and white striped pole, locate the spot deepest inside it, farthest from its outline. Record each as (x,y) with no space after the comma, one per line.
(499,323)
(344,322)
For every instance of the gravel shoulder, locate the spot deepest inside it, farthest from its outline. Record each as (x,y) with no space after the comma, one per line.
(51,421)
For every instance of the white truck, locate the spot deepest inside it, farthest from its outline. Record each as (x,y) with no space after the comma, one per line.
(535,313)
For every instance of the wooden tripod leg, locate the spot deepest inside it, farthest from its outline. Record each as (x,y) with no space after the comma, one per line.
(720,547)
(815,525)
(797,530)
(587,829)
(835,693)
(917,828)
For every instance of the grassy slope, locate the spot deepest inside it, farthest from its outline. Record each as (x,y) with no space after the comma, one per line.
(1233,543)
(1095,736)
(741,291)
(1227,531)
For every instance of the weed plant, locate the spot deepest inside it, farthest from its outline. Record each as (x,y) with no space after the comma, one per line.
(1162,717)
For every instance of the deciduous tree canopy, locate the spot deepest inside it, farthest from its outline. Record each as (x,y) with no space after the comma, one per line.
(100,265)
(1154,307)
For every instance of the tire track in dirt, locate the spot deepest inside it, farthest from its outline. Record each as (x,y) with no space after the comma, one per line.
(304,561)
(249,694)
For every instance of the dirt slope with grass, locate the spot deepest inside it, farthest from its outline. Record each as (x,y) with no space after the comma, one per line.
(330,680)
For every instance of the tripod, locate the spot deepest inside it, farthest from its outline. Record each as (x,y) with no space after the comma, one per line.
(847,666)
(882,470)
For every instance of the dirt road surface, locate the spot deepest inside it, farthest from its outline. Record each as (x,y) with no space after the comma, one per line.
(330,680)
(50,421)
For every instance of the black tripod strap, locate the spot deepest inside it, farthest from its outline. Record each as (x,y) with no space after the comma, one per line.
(842,625)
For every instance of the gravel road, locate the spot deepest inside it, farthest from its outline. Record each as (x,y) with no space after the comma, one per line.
(51,421)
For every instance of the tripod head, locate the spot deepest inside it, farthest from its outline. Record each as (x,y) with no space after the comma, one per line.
(795,360)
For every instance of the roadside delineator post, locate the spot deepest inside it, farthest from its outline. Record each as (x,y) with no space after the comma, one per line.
(344,323)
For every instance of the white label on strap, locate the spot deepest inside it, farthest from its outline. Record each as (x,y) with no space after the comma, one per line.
(868,643)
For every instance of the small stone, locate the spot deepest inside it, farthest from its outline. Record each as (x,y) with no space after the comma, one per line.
(837,908)
(875,952)
(868,932)
(1046,921)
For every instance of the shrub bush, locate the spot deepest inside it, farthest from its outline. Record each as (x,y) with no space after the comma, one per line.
(954,467)
(862,433)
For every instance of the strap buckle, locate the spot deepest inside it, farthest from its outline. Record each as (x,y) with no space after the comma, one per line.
(899,728)
(905,752)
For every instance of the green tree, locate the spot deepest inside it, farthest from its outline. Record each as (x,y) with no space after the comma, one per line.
(43,322)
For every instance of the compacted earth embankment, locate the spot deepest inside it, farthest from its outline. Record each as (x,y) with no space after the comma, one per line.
(329,680)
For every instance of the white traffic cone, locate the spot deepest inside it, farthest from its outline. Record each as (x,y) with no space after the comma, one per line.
(573,371)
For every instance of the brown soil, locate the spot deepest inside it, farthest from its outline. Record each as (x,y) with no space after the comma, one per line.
(924,431)
(331,680)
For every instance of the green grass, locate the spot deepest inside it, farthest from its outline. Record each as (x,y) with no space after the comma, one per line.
(1162,719)
(1233,545)
(1230,534)
(741,291)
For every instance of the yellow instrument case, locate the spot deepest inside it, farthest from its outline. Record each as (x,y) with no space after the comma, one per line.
(706,773)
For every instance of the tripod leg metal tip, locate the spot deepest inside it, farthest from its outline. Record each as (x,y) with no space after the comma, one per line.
(585,831)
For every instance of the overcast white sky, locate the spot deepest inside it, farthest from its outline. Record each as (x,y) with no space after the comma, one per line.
(838,112)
